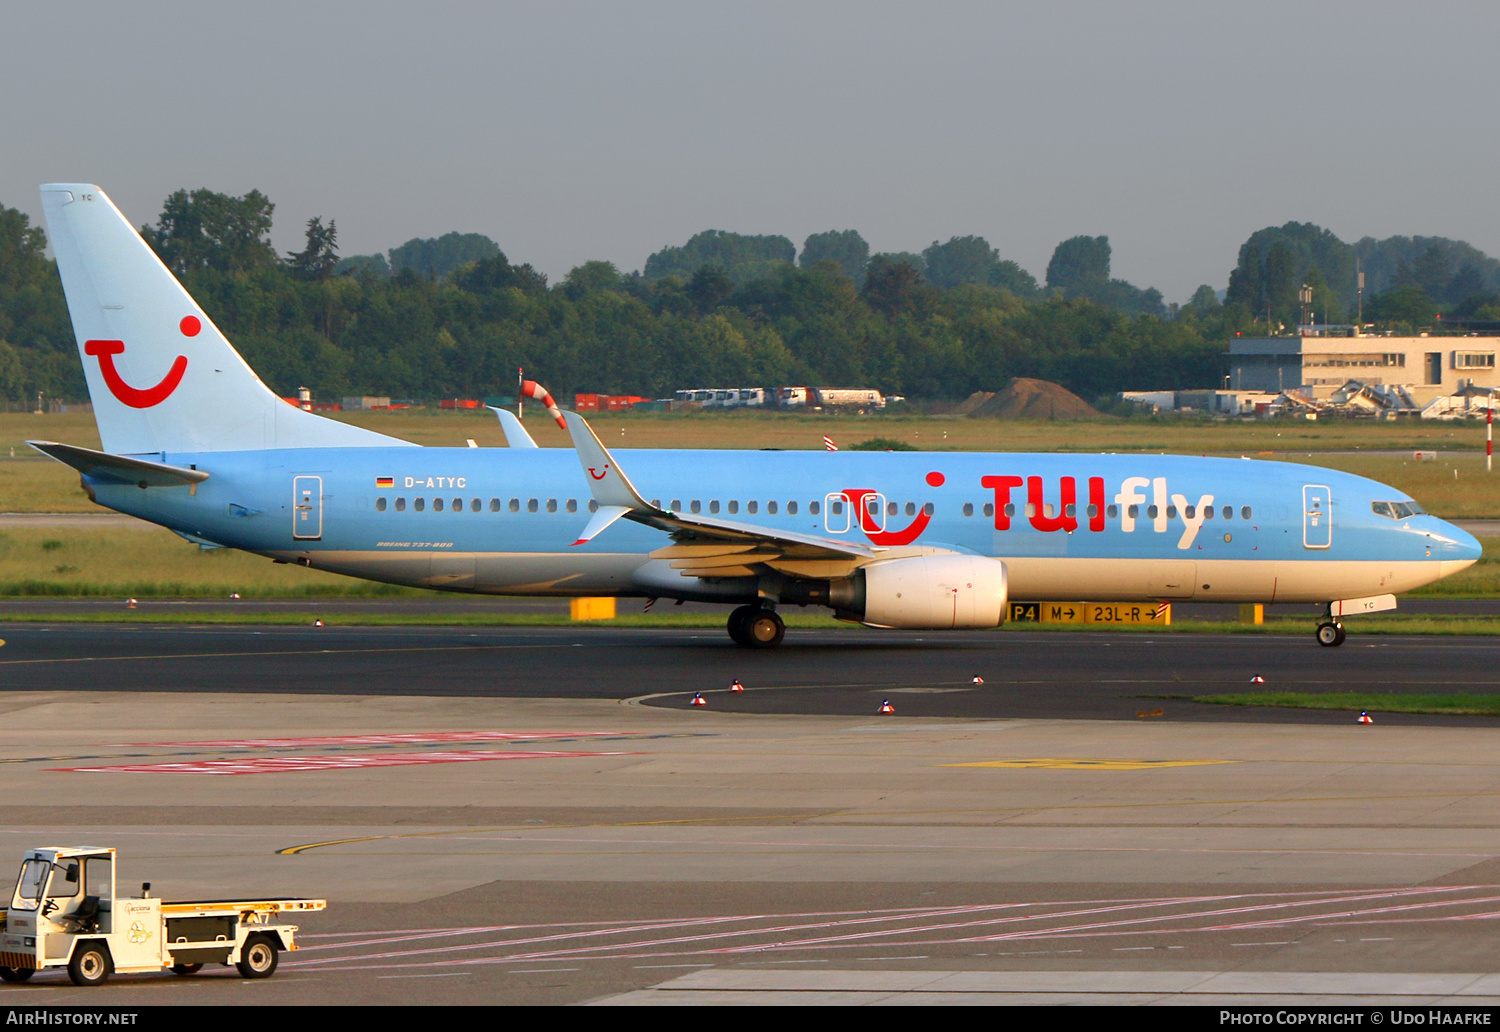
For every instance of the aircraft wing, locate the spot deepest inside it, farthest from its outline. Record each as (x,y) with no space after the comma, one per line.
(702,542)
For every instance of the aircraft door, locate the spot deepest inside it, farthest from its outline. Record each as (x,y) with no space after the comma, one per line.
(307,508)
(1317,517)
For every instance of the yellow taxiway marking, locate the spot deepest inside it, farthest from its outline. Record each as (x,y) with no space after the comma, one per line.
(1077,763)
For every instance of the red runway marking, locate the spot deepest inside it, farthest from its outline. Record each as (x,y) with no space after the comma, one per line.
(416,738)
(285,764)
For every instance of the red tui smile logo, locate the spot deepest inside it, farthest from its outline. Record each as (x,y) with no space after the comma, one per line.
(106,350)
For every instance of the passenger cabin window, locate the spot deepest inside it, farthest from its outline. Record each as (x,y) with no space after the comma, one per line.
(838,508)
(531,505)
(968,508)
(1244,512)
(1228,512)
(400,504)
(813,507)
(734,507)
(771,508)
(713,505)
(437,505)
(989,508)
(751,507)
(911,509)
(1113,512)
(572,505)
(380,505)
(928,509)
(551,504)
(695,506)
(458,505)
(419,504)
(593,505)
(1208,512)
(515,505)
(791,508)
(676,505)
(494,505)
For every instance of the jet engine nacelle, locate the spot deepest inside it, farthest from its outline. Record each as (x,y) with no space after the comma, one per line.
(932,592)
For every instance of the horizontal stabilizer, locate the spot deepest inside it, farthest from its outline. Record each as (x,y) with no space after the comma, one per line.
(121,469)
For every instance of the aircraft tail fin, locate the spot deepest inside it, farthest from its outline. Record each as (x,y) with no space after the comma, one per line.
(160,374)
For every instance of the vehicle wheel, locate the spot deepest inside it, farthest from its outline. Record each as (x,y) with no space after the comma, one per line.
(737,621)
(764,630)
(186,969)
(258,958)
(90,964)
(10,974)
(1330,634)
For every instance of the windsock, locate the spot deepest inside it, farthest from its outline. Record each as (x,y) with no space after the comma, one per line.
(534,390)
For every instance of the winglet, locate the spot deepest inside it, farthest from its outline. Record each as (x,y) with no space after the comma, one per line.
(515,434)
(609,484)
(606,515)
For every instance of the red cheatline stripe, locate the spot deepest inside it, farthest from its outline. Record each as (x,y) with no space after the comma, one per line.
(287,764)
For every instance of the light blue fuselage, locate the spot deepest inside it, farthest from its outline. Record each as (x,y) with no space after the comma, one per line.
(1279,531)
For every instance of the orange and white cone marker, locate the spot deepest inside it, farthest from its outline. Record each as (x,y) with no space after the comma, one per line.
(886,707)
(698,700)
(130,603)
(1364,718)
(977,680)
(1257,679)
(735,685)
(317,623)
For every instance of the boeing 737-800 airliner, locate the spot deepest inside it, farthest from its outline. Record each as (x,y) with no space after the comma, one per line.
(194,441)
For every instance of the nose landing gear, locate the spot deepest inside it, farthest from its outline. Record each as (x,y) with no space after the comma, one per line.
(1330,634)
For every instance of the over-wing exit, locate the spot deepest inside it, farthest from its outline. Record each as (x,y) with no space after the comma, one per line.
(194,441)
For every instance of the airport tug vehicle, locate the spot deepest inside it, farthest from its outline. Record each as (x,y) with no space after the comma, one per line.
(65,913)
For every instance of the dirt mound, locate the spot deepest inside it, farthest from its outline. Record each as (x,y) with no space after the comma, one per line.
(1025,398)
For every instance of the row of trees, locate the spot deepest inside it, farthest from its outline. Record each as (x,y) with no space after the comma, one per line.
(1409,281)
(454,316)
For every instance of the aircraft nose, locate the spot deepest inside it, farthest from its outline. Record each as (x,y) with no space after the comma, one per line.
(1465,548)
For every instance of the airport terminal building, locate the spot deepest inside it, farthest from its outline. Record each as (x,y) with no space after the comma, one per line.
(1429,367)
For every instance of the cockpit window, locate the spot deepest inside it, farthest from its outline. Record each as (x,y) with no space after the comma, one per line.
(1397,510)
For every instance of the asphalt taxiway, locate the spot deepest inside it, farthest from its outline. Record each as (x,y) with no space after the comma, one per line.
(512,815)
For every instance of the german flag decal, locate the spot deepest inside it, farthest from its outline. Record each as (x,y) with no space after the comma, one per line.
(385,481)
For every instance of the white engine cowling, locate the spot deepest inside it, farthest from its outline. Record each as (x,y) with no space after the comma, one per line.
(932,592)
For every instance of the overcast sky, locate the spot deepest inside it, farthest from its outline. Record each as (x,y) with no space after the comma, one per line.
(570,131)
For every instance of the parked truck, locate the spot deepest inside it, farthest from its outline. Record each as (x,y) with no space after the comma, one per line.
(65,913)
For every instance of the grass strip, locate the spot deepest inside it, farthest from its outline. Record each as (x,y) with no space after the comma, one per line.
(1457,705)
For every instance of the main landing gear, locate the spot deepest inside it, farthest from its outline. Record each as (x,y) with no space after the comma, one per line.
(756,628)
